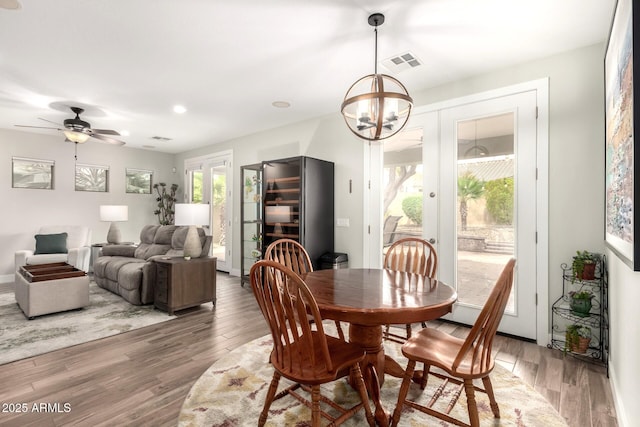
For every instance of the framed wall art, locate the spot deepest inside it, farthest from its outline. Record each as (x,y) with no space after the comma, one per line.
(621,163)
(139,181)
(92,178)
(32,173)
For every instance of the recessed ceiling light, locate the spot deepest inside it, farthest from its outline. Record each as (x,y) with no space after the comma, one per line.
(281,104)
(179,109)
(124,132)
(10,4)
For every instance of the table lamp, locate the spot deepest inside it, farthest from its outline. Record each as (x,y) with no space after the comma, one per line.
(194,215)
(114,213)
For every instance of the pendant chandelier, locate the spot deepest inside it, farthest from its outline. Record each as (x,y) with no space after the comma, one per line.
(377,106)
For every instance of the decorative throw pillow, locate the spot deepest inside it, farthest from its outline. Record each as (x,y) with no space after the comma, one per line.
(51,243)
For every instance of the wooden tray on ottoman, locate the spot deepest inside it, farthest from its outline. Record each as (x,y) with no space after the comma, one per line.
(56,270)
(50,288)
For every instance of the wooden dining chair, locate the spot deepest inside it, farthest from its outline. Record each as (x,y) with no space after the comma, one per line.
(293,255)
(412,255)
(462,360)
(301,351)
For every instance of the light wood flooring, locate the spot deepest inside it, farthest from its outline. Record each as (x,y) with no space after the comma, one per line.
(141,378)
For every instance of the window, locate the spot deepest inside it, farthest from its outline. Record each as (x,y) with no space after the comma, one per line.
(139,181)
(32,173)
(92,178)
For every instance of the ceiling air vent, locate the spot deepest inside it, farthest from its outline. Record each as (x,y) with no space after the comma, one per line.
(161,138)
(402,62)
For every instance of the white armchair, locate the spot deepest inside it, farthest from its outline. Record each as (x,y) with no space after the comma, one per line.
(78,246)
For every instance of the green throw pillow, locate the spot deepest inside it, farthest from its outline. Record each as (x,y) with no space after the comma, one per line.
(51,243)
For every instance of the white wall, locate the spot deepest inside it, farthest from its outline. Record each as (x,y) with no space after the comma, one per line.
(624,316)
(25,210)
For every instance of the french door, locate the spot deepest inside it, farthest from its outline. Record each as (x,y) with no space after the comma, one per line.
(208,180)
(476,174)
(487,205)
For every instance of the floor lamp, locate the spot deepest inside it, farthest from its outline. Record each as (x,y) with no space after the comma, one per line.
(114,213)
(193,215)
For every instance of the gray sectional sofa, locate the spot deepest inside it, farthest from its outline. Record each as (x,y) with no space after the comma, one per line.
(130,272)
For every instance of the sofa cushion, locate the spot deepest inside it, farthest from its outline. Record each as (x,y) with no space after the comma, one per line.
(130,275)
(51,243)
(155,240)
(109,267)
(119,250)
(148,233)
(164,234)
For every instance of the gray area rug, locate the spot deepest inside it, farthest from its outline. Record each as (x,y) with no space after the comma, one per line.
(108,314)
(232,391)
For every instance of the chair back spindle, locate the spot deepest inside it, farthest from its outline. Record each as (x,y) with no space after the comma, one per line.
(286,302)
(291,254)
(412,255)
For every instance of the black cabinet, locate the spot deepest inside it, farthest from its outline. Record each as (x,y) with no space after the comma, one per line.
(251,217)
(298,204)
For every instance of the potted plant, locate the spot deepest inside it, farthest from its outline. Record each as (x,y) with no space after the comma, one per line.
(578,338)
(166,200)
(580,303)
(584,265)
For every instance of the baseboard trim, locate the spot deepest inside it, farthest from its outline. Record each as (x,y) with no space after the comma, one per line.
(621,415)
(7,278)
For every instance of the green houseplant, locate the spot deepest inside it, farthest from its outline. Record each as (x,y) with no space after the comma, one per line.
(580,303)
(584,265)
(578,338)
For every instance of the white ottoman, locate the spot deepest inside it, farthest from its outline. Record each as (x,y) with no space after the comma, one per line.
(44,296)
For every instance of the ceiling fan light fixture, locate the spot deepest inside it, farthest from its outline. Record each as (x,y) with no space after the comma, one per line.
(377,106)
(77,137)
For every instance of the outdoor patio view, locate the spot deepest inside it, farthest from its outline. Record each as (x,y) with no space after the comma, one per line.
(485,203)
(218,203)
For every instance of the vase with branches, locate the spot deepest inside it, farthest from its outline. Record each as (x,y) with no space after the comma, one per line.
(166,200)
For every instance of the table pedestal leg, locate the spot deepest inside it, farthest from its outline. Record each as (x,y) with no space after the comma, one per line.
(373,365)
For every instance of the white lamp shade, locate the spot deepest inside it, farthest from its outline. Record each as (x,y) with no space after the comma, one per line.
(114,213)
(191,214)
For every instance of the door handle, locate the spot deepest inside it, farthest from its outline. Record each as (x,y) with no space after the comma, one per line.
(432,240)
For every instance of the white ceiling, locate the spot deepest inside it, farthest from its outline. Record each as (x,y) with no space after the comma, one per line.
(129,62)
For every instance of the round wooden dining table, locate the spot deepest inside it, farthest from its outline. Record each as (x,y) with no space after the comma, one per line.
(369,298)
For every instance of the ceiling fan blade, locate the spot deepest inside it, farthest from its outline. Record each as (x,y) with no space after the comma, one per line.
(106,132)
(37,127)
(106,139)
(57,124)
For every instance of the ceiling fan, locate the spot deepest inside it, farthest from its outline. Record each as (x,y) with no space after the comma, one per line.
(78,131)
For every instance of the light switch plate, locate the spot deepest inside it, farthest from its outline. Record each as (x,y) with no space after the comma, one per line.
(342,222)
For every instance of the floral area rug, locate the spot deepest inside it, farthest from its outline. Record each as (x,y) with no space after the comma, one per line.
(232,391)
(108,314)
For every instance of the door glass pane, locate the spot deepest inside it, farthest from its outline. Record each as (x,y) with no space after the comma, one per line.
(485,205)
(402,187)
(195,181)
(218,212)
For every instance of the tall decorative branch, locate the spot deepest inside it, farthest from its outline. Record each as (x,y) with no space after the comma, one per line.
(166,200)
